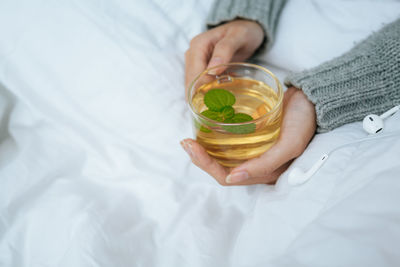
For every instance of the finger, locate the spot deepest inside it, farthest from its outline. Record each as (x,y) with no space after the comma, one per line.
(201,159)
(270,178)
(199,53)
(277,173)
(224,51)
(195,63)
(264,168)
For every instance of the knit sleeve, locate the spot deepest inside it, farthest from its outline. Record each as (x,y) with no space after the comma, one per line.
(362,81)
(265,12)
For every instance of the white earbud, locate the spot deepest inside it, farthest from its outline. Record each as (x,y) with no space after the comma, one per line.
(373,124)
(297,176)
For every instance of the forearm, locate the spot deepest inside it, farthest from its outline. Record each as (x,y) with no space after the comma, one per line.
(265,12)
(364,80)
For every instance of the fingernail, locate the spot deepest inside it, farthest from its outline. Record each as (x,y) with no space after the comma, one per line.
(214,62)
(237,177)
(187,147)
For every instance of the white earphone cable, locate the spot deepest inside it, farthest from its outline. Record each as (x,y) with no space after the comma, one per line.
(370,138)
(298,176)
(390,112)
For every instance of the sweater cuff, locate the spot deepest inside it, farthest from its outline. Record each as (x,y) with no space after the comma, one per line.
(264,12)
(365,80)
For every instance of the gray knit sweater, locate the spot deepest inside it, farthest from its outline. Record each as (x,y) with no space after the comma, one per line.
(364,80)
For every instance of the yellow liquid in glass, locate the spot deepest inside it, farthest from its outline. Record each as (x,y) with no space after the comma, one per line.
(254,98)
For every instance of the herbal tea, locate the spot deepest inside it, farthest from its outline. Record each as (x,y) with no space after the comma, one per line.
(247,116)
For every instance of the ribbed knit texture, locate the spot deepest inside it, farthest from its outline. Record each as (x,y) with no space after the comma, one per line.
(265,12)
(362,81)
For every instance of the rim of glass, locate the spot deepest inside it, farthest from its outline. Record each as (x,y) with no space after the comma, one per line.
(280,93)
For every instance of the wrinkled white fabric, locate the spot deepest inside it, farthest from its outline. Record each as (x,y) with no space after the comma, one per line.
(91,172)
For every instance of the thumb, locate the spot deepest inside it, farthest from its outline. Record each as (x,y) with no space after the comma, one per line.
(263,168)
(223,52)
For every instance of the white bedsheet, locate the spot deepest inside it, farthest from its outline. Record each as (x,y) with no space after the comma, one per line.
(91,171)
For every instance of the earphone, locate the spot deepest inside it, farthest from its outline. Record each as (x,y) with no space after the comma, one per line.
(372,124)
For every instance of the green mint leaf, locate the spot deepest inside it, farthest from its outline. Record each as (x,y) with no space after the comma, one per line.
(241,117)
(227,113)
(217,99)
(201,127)
(216,116)
(204,129)
(240,129)
(196,124)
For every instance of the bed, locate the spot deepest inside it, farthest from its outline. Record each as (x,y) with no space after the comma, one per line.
(91,171)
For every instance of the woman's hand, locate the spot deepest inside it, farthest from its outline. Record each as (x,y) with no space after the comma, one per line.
(233,41)
(298,128)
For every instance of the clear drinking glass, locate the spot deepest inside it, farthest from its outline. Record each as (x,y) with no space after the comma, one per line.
(257,93)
